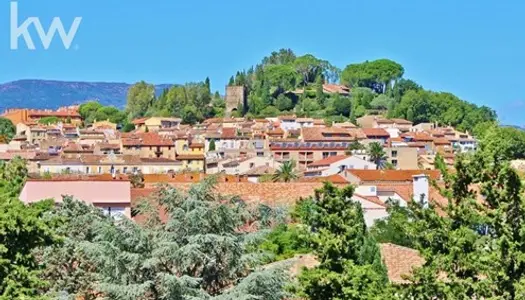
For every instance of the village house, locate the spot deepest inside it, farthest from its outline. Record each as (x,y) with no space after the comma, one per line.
(371,121)
(237,166)
(64,114)
(402,158)
(112,196)
(93,164)
(191,154)
(156,123)
(375,135)
(148,145)
(336,164)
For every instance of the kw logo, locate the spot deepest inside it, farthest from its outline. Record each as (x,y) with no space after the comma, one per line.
(46,38)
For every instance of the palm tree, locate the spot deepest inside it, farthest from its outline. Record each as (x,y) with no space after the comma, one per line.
(286,172)
(377,155)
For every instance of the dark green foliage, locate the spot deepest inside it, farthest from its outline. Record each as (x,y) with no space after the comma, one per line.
(392,229)
(376,75)
(22,230)
(13,175)
(128,127)
(212,145)
(199,252)
(444,108)
(377,154)
(350,263)
(7,129)
(286,172)
(505,142)
(140,98)
(283,103)
(286,241)
(49,120)
(94,111)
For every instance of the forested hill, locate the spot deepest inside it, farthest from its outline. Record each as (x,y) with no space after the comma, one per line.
(377,87)
(53,94)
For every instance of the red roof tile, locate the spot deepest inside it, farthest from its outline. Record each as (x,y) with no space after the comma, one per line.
(375,132)
(400,261)
(328,161)
(392,175)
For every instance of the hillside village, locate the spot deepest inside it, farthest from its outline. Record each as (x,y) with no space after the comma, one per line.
(293,185)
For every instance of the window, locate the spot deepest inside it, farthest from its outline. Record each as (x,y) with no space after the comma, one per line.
(260,154)
(333,153)
(185,147)
(326,154)
(124,170)
(252,165)
(99,170)
(115,212)
(87,170)
(394,162)
(394,153)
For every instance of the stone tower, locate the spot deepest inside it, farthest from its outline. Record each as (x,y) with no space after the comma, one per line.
(234,96)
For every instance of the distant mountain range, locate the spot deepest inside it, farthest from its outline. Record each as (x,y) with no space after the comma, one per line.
(53,94)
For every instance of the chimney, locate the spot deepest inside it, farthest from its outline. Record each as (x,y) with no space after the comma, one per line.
(420,187)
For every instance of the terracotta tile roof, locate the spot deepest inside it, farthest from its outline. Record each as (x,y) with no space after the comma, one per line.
(392,175)
(328,161)
(229,133)
(146,139)
(404,190)
(319,122)
(139,121)
(27,155)
(372,199)
(190,157)
(318,134)
(383,121)
(196,145)
(402,121)
(108,146)
(261,121)
(344,125)
(49,113)
(400,261)
(288,118)
(416,144)
(336,88)
(259,171)
(160,160)
(375,132)
(419,136)
(441,141)
(276,131)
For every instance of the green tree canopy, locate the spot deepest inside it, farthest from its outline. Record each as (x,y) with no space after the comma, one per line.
(7,129)
(350,262)
(140,98)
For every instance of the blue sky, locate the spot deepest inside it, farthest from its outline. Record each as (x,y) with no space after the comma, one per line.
(474,49)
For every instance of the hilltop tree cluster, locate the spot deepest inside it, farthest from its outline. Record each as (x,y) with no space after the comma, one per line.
(285,83)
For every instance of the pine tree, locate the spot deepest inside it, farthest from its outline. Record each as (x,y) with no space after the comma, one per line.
(199,252)
(212,145)
(350,263)
(22,230)
(319,92)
